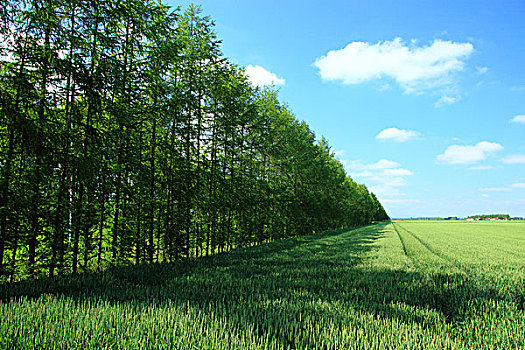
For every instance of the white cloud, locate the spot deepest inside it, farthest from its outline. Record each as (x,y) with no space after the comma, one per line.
(362,174)
(481,167)
(259,76)
(494,189)
(400,201)
(384,164)
(397,135)
(413,68)
(513,186)
(380,164)
(384,87)
(518,119)
(458,154)
(339,153)
(514,159)
(445,100)
(482,70)
(484,195)
(384,176)
(397,172)
(387,189)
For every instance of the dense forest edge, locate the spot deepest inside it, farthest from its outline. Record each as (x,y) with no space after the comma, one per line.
(126,137)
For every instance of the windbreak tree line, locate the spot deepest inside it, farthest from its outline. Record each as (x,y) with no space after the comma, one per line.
(126,137)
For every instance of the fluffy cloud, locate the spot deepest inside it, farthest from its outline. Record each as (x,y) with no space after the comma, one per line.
(339,153)
(518,119)
(481,167)
(259,76)
(458,154)
(385,176)
(380,164)
(482,70)
(516,185)
(401,201)
(413,68)
(494,189)
(397,135)
(397,172)
(384,87)
(445,100)
(388,189)
(514,159)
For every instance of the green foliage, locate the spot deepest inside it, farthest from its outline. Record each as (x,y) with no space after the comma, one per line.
(490,216)
(126,137)
(417,285)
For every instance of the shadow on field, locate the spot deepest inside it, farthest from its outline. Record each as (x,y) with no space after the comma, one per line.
(285,280)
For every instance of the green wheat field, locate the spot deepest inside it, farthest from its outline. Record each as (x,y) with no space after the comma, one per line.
(394,285)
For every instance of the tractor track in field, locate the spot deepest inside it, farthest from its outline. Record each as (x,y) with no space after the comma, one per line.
(401,239)
(404,246)
(439,254)
(457,263)
(468,272)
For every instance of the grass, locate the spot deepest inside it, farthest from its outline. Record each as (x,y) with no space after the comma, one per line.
(411,285)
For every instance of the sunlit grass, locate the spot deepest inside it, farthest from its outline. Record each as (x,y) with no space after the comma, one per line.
(402,285)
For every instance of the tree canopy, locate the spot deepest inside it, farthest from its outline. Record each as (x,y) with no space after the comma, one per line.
(490,216)
(126,137)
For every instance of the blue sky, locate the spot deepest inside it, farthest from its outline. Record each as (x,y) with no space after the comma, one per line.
(422,101)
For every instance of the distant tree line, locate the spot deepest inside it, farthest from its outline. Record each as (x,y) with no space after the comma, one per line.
(490,216)
(126,137)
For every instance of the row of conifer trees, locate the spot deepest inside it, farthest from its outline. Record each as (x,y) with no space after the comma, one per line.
(126,137)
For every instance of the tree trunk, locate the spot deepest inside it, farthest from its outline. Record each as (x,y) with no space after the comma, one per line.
(4,195)
(138,238)
(76,223)
(152,193)
(37,176)
(116,212)
(101,224)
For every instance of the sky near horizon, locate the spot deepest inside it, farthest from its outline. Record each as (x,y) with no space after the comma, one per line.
(422,101)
